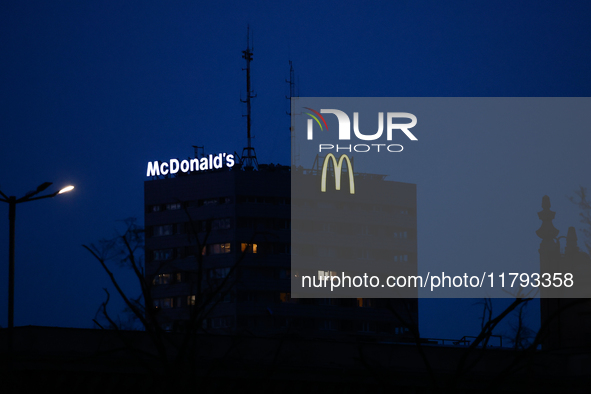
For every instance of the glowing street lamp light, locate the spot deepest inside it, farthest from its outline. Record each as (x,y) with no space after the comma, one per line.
(66,189)
(12,201)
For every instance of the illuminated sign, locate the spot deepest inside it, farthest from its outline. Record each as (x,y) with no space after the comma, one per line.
(338,167)
(210,162)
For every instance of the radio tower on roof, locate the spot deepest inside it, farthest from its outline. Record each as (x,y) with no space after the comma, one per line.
(249,157)
(292,95)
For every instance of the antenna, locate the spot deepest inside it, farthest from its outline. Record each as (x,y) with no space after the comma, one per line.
(249,157)
(291,83)
(197,149)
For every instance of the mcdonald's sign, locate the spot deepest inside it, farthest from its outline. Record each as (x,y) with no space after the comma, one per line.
(338,167)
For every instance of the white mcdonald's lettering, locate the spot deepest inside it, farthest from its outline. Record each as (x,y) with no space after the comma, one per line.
(338,167)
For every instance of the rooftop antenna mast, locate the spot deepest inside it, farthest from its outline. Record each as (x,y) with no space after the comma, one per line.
(197,149)
(292,94)
(249,157)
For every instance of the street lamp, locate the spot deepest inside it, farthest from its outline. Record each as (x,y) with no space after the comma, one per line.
(12,201)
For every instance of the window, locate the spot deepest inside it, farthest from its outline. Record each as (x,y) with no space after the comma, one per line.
(220,322)
(162,279)
(325,301)
(216,249)
(214,201)
(248,248)
(173,207)
(155,208)
(163,230)
(364,254)
(401,258)
(219,272)
(401,234)
(220,224)
(225,297)
(328,324)
(322,274)
(191,299)
(326,251)
(283,224)
(164,303)
(367,327)
(162,254)
(246,222)
(364,302)
(285,297)
(326,205)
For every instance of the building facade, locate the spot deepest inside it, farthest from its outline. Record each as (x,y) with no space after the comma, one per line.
(218,257)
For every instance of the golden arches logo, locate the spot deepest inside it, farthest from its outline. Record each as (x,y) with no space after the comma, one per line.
(338,167)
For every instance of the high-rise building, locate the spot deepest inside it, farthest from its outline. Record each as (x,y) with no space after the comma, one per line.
(218,255)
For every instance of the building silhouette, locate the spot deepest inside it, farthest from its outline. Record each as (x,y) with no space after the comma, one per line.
(218,249)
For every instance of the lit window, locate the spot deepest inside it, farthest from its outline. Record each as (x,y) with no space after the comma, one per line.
(364,302)
(285,297)
(323,274)
(162,279)
(248,248)
(173,207)
(220,248)
(217,249)
(191,300)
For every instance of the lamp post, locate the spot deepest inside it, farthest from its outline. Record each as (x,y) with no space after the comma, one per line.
(12,201)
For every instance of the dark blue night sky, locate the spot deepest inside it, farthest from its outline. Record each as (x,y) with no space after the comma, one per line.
(92,91)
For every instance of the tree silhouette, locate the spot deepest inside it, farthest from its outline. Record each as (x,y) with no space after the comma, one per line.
(172,355)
